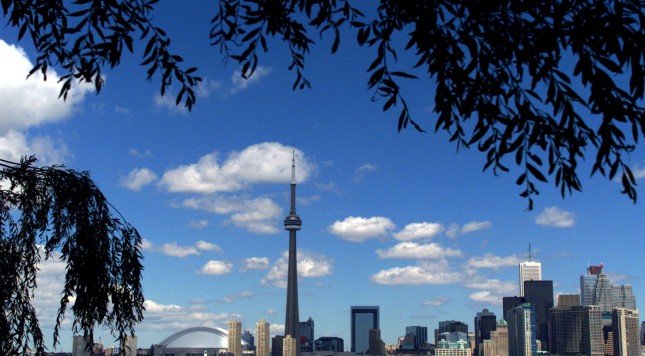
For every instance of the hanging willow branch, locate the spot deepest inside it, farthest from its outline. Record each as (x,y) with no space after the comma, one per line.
(53,209)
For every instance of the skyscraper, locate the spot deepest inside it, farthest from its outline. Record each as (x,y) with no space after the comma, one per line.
(592,338)
(290,346)
(235,338)
(626,333)
(485,322)
(307,335)
(420,334)
(498,343)
(529,271)
(292,223)
(588,284)
(364,319)
(522,339)
(540,295)
(263,336)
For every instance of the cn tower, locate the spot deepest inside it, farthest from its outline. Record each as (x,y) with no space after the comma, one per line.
(292,223)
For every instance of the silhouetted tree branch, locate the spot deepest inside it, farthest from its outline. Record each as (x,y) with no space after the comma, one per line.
(540,85)
(51,209)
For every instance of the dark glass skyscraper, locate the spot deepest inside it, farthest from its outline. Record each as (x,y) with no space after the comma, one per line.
(540,295)
(364,319)
(485,322)
(292,223)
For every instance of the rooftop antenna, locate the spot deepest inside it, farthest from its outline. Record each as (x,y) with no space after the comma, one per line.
(530,259)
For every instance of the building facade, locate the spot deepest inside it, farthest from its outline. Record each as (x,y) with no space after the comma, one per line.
(497,345)
(529,271)
(457,348)
(522,333)
(626,332)
(263,336)
(485,322)
(307,335)
(289,346)
(420,334)
(363,319)
(329,343)
(540,295)
(235,338)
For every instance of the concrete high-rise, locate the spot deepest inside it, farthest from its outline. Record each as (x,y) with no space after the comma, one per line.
(497,345)
(522,340)
(529,271)
(290,346)
(626,333)
(235,338)
(485,322)
(263,337)
(292,223)
(364,319)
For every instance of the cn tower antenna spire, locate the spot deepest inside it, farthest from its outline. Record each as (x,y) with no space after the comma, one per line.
(292,223)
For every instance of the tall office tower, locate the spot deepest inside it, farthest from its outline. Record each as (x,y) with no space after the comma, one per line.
(420,334)
(608,340)
(588,284)
(248,337)
(485,322)
(235,337)
(565,325)
(592,342)
(450,326)
(529,271)
(540,294)
(509,303)
(364,319)
(277,343)
(498,343)
(624,296)
(626,333)
(603,293)
(522,338)
(289,346)
(330,343)
(643,333)
(263,336)
(568,300)
(307,335)
(292,223)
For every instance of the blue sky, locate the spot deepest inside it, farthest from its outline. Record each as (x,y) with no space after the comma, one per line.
(399,220)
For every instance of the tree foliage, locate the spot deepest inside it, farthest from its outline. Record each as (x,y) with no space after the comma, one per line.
(52,210)
(540,85)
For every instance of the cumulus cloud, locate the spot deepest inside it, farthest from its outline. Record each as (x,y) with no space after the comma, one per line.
(418,251)
(359,229)
(255,263)
(267,162)
(416,231)
(555,217)
(475,226)
(14,145)
(216,268)
(28,102)
(138,178)
(492,261)
(168,102)
(201,224)
(638,172)
(164,317)
(174,250)
(491,291)
(424,273)
(260,215)
(363,170)
(310,265)
(241,83)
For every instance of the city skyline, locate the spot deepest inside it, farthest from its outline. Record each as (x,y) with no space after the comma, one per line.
(398,220)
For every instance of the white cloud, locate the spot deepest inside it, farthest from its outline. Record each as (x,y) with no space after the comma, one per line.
(363,170)
(423,273)
(255,263)
(169,102)
(475,226)
(239,83)
(555,217)
(359,229)
(14,145)
(164,317)
(486,297)
(207,246)
(33,101)
(267,162)
(452,231)
(260,215)
(437,301)
(206,86)
(138,178)
(491,291)
(232,298)
(418,251)
(216,268)
(492,261)
(135,153)
(174,250)
(638,172)
(276,329)
(415,231)
(201,224)
(309,265)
